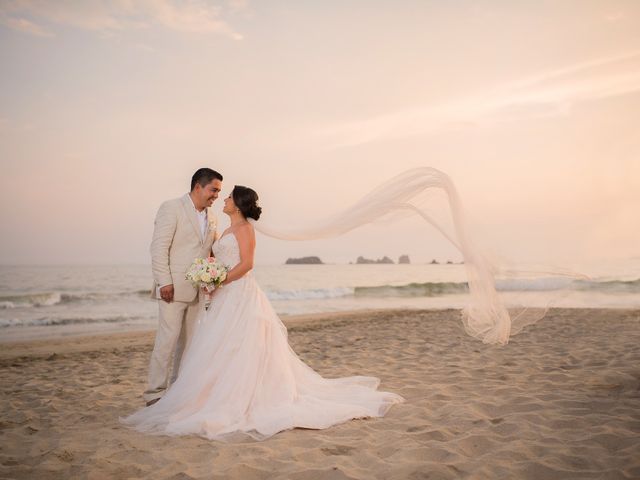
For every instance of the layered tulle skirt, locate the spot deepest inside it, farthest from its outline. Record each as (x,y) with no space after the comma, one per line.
(239,376)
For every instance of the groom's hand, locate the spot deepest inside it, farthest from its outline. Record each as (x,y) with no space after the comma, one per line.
(166,293)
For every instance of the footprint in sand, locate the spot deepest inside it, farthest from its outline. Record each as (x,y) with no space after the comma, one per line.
(337,450)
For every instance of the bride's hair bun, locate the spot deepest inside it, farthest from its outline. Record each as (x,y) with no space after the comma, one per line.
(246,200)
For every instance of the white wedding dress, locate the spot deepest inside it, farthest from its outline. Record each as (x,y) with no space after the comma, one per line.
(239,376)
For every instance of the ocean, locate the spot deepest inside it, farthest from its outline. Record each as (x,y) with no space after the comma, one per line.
(53,301)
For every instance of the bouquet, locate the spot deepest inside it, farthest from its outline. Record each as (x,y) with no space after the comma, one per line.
(207,273)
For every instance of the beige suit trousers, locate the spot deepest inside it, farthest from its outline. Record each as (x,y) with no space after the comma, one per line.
(176,323)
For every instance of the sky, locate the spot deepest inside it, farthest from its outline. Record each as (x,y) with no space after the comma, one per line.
(531,107)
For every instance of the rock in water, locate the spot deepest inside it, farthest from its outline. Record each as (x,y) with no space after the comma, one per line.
(366,261)
(304,261)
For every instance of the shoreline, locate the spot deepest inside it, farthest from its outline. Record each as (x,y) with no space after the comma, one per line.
(83,342)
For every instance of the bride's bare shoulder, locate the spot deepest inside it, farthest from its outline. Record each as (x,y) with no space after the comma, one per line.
(246,231)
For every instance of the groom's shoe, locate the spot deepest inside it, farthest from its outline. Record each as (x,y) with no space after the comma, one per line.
(151,402)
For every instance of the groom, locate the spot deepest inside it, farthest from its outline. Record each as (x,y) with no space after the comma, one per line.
(185,229)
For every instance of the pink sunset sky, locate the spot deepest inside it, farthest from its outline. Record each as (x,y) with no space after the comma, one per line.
(532,107)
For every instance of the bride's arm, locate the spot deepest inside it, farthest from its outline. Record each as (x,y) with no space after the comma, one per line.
(246,238)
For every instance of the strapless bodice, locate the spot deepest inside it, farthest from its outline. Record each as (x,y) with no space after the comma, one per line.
(227,251)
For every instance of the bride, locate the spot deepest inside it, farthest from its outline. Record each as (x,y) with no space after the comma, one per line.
(239,375)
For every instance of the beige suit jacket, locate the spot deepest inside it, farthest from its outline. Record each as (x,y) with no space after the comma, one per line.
(177,241)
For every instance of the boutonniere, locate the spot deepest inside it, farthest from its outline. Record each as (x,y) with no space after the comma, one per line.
(212,228)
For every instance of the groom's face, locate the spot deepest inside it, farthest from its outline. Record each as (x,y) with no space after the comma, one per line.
(207,194)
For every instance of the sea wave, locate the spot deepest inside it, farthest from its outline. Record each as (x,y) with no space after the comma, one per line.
(428,289)
(48,321)
(46,299)
(31,300)
(560,283)
(545,284)
(310,294)
(610,286)
(432,289)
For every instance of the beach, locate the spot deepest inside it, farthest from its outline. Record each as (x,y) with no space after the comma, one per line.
(560,401)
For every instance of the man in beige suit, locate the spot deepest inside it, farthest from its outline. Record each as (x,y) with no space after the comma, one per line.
(185,229)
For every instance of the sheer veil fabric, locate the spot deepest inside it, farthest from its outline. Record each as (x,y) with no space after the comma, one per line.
(485,317)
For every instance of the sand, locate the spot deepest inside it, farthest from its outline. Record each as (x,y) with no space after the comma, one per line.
(561,401)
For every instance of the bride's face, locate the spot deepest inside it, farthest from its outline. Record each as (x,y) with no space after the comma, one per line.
(229,206)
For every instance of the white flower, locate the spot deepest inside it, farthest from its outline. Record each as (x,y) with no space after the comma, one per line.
(205,272)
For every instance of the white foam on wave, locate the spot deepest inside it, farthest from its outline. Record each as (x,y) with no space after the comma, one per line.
(545,284)
(10,322)
(52,321)
(30,300)
(548,284)
(310,294)
(48,299)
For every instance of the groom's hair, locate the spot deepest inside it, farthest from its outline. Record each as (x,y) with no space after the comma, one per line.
(204,176)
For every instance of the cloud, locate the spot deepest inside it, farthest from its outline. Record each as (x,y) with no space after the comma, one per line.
(545,94)
(25,26)
(191,16)
(574,68)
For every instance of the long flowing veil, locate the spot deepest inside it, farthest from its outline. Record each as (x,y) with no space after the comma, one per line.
(485,317)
